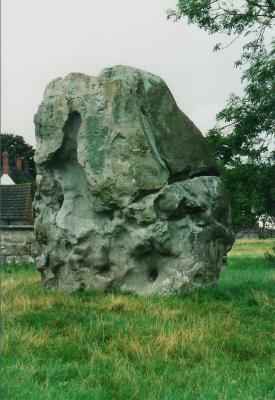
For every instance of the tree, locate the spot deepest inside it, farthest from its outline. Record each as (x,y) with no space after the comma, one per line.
(249,120)
(16,146)
(252,193)
(241,140)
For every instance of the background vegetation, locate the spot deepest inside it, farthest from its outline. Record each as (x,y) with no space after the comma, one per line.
(211,344)
(243,139)
(15,145)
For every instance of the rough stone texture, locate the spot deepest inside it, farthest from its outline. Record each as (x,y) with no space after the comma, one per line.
(128,197)
(18,246)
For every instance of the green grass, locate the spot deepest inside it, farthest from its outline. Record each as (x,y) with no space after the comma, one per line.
(212,344)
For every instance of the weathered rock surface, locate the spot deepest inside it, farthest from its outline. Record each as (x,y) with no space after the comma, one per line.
(128,197)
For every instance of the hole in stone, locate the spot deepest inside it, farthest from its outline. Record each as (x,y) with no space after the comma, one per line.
(153,274)
(48,260)
(142,110)
(82,286)
(68,150)
(104,268)
(68,246)
(60,200)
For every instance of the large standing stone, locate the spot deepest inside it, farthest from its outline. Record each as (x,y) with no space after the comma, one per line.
(128,197)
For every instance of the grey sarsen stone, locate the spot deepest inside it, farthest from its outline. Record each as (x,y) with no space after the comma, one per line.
(128,198)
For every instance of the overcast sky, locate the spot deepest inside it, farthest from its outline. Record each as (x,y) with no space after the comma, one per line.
(45,39)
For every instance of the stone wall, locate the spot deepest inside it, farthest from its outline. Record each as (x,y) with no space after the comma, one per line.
(18,245)
(256,234)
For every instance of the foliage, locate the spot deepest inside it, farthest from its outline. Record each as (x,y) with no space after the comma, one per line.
(248,123)
(250,119)
(242,138)
(251,184)
(234,17)
(208,344)
(243,183)
(16,146)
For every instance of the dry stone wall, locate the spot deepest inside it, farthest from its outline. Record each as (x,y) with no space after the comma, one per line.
(18,245)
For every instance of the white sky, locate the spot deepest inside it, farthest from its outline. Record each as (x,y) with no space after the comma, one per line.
(45,39)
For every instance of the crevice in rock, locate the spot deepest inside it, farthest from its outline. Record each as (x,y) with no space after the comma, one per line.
(68,150)
(151,138)
(142,194)
(187,174)
(153,274)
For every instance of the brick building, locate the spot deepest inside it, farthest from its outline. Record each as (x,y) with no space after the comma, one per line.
(15,199)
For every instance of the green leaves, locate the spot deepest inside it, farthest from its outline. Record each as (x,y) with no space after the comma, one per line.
(241,141)
(251,118)
(217,47)
(16,146)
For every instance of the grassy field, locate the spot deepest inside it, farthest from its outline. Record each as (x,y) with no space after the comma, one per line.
(212,344)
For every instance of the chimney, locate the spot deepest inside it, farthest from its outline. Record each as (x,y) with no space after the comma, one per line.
(6,165)
(18,162)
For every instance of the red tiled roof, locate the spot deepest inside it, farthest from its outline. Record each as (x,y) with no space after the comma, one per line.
(15,202)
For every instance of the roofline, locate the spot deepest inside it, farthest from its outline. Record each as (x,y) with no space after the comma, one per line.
(16,228)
